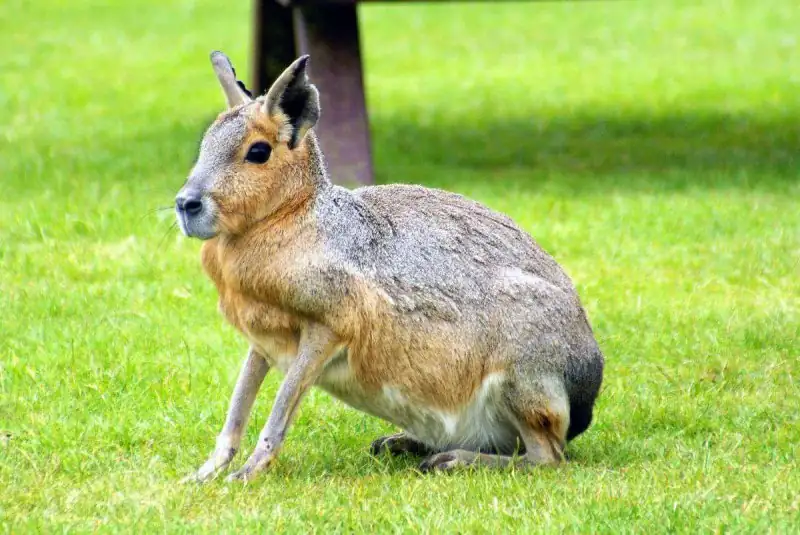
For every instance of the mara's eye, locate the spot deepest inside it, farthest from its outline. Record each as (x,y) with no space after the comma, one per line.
(258,153)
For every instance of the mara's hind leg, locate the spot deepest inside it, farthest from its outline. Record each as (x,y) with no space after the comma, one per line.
(399,444)
(542,421)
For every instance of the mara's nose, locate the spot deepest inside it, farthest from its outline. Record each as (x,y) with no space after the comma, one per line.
(189,202)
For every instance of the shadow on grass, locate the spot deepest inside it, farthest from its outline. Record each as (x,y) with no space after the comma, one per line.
(595,153)
(408,465)
(356,463)
(580,154)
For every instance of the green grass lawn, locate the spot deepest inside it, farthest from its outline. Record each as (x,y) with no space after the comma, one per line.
(651,147)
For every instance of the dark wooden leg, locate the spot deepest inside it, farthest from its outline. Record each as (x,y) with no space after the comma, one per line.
(273,43)
(329,33)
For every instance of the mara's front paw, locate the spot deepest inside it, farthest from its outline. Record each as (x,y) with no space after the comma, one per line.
(215,465)
(257,462)
(399,444)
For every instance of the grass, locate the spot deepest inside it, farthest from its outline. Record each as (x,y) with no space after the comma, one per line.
(651,147)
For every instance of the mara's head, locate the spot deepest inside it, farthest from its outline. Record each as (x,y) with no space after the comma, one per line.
(255,158)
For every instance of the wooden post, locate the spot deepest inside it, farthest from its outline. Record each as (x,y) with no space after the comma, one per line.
(329,33)
(273,43)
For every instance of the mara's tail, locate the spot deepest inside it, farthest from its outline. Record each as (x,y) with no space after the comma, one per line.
(584,380)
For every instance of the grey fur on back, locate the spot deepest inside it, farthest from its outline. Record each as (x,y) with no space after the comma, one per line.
(444,258)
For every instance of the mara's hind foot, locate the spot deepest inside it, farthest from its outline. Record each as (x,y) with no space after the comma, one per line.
(453,459)
(543,431)
(450,460)
(399,444)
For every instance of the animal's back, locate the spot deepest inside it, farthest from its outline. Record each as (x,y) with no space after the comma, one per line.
(432,225)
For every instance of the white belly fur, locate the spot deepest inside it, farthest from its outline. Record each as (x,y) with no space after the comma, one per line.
(480,424)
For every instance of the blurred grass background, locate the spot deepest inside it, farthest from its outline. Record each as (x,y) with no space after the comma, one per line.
(651,147)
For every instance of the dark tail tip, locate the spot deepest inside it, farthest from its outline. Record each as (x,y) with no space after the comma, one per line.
(580,416)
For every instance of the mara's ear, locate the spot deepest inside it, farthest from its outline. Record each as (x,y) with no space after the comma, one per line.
(294,100)
(235,91)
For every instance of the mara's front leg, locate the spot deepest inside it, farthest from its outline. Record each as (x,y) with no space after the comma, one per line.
(317,345)
(251,376)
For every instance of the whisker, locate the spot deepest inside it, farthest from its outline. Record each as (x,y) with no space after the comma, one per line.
(166,189)
(156,210)
(164,237)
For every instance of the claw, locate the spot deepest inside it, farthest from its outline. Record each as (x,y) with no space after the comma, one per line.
(258,462)
(239,475)
(377,445)
(212,468)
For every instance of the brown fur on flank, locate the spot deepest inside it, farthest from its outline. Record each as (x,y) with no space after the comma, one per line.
(415,305)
